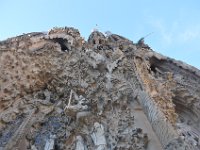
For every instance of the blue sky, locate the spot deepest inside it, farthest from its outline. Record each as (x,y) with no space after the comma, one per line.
(175,23)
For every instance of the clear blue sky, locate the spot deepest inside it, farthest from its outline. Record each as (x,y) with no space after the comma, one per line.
(175,23)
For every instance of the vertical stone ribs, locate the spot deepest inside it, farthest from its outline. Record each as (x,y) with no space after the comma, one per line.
(161,126)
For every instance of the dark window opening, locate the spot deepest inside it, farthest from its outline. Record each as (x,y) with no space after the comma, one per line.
(63,43)
(154,64)
(153,68)
(100,41)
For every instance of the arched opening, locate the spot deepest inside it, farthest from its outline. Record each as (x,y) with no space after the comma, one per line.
(63,43)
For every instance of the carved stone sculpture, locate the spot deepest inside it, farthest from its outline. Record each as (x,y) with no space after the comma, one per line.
(98,136)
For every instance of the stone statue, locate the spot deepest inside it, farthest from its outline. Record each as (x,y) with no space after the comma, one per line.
(80,143)
(98,136)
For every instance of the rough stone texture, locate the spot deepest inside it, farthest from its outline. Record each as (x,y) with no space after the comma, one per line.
(58,91)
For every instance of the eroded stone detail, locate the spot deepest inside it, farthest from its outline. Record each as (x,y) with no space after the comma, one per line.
(58,91)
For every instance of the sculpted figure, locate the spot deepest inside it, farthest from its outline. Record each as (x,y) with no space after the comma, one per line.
(98,136)
(80,143)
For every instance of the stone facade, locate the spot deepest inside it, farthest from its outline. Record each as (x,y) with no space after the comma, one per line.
(58,91)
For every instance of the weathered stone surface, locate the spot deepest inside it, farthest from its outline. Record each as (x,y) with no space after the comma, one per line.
(58,91)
